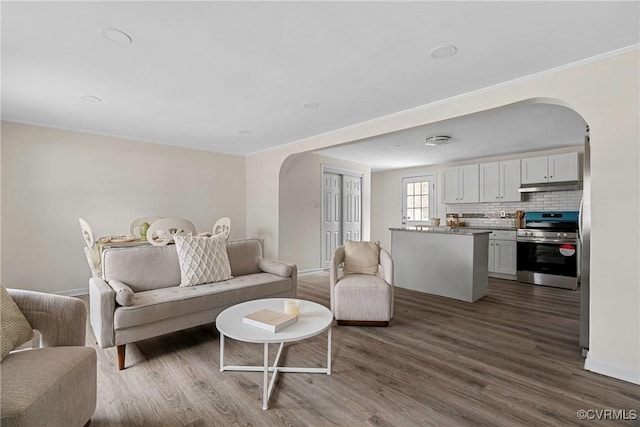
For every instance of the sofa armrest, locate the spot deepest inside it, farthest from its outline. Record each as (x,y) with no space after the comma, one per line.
(283,269)
(386,264)
(337,259)
(61,320)
(102,304)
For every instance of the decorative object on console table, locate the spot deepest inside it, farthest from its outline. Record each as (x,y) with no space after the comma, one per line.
(269,320)
(222,226)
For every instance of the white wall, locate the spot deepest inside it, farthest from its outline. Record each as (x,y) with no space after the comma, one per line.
(605,92)
(300,207)
(52,177)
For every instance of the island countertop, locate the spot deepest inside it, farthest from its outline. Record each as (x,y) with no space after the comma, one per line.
(443,230)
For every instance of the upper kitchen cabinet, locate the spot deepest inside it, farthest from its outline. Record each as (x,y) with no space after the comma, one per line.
(460,184)
(554,168)
(500,181)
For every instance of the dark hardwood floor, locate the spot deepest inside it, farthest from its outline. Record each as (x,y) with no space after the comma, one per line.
(510,359)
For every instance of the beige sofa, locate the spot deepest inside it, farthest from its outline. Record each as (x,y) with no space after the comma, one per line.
(55,384)
(161,306)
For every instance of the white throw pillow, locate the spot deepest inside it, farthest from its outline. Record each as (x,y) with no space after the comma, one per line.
(202,259)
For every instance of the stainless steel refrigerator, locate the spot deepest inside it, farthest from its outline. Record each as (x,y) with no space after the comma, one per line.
(584,223)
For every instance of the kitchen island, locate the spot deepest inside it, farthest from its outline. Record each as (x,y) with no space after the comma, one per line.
(450,262)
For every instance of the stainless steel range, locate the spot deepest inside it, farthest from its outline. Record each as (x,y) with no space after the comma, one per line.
(548,249)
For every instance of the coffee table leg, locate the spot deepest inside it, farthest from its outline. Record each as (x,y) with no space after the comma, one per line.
(221,352)
(265,385)
(329,352)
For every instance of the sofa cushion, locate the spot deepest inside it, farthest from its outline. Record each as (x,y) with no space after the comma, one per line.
(202,259)
(124,294)
(152,306)
(244,256)
(15,329)
(33,382)
(142,267)
(361,257)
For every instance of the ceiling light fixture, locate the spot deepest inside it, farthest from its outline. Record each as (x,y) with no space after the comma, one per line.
(244,132)
(311,105)
(443,51)
(436,140)
(91,98)
(116,36)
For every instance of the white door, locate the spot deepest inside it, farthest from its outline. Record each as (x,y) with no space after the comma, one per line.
(418,200)
(331,215)
(341,212)
(351,195)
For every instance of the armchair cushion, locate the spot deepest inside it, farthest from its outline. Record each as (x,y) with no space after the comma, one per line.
(202,259)
(15,329)
(361,257)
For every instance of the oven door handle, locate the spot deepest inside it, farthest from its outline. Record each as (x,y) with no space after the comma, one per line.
(548,240)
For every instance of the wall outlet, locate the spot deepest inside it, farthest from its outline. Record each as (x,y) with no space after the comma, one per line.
(503,214)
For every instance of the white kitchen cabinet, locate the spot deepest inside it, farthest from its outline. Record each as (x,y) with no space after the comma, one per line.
(500,181)
(460,184)
(502,254)
(554,168)
(564,167)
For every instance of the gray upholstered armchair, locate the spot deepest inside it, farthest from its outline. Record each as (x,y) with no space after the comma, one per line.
(54,384)
(361,298)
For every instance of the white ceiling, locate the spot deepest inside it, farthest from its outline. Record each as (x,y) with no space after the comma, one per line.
(502,131)
(199,72)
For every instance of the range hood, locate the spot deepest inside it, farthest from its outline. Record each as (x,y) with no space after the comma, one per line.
(551,186)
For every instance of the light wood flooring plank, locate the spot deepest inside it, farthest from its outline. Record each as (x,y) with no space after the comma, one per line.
(511,358)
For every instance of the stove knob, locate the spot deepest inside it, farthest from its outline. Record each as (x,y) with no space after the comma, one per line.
(559,235)
(564,235)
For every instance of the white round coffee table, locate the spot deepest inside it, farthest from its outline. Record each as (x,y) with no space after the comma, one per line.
(313,319)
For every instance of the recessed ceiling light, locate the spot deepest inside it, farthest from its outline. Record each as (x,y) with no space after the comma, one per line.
(434,141)
(91,98)
(311,105)
(442,52)
(116,36)
(244,132)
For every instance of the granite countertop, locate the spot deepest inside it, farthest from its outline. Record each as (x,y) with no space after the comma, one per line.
(466,231)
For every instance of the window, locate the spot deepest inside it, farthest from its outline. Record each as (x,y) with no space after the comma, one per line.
(418,199)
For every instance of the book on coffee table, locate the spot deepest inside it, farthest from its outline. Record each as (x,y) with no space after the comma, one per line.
(269,319)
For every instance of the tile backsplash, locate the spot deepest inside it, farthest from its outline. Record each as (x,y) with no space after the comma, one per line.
(488,214)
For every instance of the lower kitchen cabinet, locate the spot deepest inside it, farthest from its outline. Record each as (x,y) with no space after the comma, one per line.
(502,254)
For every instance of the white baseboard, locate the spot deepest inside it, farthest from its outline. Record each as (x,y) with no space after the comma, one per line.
(309,271)
(73,292)
(604,368)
